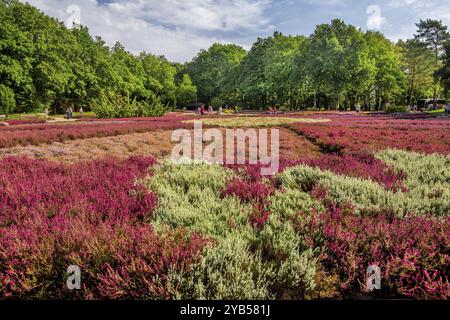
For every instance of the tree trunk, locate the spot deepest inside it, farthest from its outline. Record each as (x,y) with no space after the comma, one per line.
(411,88)
(435,80)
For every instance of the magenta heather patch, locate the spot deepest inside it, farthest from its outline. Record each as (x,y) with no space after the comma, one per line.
(248,191)
(412,252)
(252,172)
(102,188)
(365,134)
(34,134)
(117,260)
(254,192)
(93,215)
(361,165)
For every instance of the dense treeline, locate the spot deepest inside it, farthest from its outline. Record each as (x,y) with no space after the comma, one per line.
(44,65)
(338,66)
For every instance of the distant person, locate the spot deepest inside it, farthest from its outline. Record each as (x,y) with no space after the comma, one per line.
(202,110)
(274,110)
(447,109)
(220,110)
(358,108)
(68,113)
(210,110)
(81,111)
(46,112)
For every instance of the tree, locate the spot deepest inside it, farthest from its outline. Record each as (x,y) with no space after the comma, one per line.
(47,65)
(278,64)
(434,34)
(249,79)
(209,69)
(7,101)
(337,61)
(444,72)
(16,49)
(186,91)
(389,79)
(419,63)
(159,77)
(264,76)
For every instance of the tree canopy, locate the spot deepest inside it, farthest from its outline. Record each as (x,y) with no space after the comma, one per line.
(338,66)
(44,65)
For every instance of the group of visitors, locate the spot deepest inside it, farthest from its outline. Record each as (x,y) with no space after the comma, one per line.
(69,112)
(273,110)
(202,110)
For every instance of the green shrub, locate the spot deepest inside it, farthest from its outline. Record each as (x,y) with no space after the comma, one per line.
(110,105)
(396,109)
(427,177)
(431,170)
(217,102)
(7,100)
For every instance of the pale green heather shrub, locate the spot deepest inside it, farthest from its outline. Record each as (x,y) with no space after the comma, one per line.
(189,196)
(298,271)
(366,194)
(281,236)
(427,176)
(420,168)
(241,262)
(229,270)
(281,243)
(292,201)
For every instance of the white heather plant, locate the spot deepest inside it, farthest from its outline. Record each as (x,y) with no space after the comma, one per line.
(291,201)
(189,196)
(420,168)
(427,177)
(229,270)
(368,195)
(241,262)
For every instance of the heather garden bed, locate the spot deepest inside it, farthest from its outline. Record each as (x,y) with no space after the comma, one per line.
(346,197)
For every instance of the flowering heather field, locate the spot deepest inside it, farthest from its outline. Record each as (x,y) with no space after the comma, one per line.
(351,192)
(35,134)
(372,134)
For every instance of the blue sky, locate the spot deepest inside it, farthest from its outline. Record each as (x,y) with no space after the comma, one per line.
(180,28)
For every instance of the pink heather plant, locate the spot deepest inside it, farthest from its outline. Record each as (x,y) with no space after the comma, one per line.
(255,192)
(93,215)
(104,189)
(428,136)
(412,252)
(34,134)
(252,172)
(363,165)
(117,260)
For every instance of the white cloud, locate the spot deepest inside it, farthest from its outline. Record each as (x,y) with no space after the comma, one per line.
(176,28)
(402,3)
(375,20)
(222,15)
(326,2)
